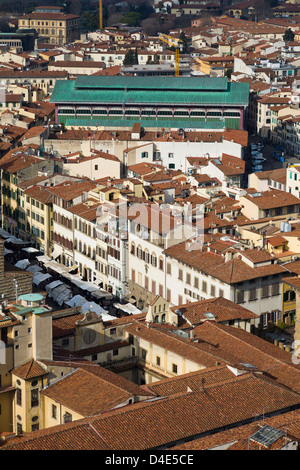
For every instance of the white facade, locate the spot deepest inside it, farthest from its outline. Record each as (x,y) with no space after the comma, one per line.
(293,180)
(85,244)
(174,154)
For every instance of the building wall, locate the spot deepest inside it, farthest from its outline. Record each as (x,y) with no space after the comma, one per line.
(57,31)
(61,410)
(94,169)
(25,414)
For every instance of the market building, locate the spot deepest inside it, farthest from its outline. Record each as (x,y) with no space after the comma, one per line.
(92,101)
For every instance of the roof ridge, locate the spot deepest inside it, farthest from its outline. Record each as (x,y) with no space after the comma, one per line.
(229,333)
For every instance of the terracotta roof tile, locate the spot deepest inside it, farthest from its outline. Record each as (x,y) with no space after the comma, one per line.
(30,370)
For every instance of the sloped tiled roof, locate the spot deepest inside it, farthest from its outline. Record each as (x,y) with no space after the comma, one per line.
(29,370)
(149,425)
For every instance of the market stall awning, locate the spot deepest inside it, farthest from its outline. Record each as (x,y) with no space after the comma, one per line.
(40,277)
(54,266)
(61,294)
(43,258)
(102,294)
(56,252)
(52,285)
(93,307)
(34,269)
(16,241)
(76,301)
(4,233)
(30,249)
(128,308)
(23,263)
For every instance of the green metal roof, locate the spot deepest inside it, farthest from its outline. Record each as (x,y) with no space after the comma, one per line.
(33,297)
(152,83)
(164,91)
(146,123)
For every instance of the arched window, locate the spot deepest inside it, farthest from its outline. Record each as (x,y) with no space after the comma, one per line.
(132,249)
(154,260)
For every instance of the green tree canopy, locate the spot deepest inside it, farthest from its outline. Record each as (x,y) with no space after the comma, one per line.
(288,35)
(132,18)
(131,58)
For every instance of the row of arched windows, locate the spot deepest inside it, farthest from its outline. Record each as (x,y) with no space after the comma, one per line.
(146,256)
(84,249)
(85,228)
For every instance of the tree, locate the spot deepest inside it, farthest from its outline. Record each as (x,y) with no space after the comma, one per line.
(132,18)
(130,58)
(136,57)
(89,22)
(184,42)
(288,35)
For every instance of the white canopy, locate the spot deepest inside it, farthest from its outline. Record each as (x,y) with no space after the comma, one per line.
(40,277)
(17,241)
(128,308)
(52,285)
(61,294)
(93,307)
(34,268)
(43,258)
(30,249)
(7,251)
(23,263)
(56,252)
(76,301)
(54,266)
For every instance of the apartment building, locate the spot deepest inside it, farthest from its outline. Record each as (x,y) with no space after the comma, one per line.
(42,79)
(259,205)
(52,24)
(264,110)
(20,167)
(251,277)
(288,131)
(270,179)
(66,195)
(84,236)
(151,230)
(117,251)
(293,180)
(38,221)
